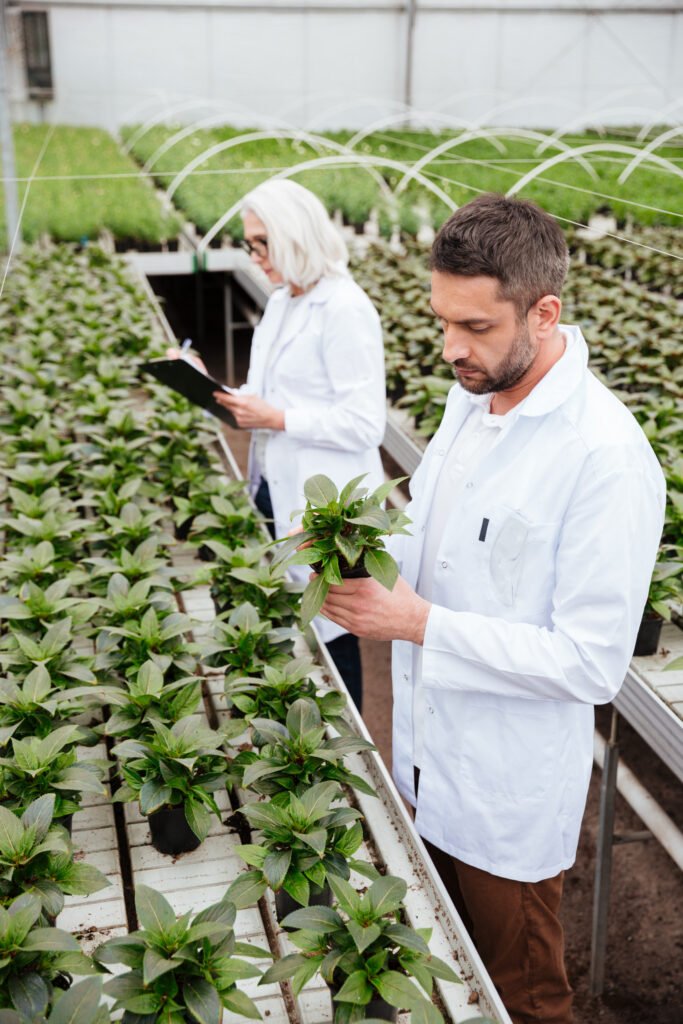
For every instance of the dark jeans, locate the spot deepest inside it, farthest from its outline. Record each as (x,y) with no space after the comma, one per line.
(344,651)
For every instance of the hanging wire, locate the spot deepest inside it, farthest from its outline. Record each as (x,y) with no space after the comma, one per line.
(41,154)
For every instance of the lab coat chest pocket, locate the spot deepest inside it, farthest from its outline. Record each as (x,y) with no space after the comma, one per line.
(520,556)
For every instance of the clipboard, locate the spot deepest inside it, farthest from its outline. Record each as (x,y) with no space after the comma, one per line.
(184,377)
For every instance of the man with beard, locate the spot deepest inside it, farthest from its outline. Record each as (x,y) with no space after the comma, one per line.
(537,512)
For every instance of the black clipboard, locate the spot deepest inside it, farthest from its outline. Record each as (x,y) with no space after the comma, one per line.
(185,378)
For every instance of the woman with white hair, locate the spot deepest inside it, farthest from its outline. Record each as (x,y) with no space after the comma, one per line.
(315,392)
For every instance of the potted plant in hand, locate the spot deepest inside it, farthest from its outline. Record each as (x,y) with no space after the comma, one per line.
(174,775)
(343,533)
(182,969)
(366,955)
(302,842)
(666,588)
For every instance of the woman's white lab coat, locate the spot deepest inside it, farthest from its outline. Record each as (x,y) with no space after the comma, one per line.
(326,370)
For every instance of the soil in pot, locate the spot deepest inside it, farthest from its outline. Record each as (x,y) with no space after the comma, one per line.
(376,1009)
(170,832)
(182,530)
(285,904)
(649,632)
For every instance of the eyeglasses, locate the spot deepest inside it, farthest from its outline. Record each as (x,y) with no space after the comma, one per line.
(256,247)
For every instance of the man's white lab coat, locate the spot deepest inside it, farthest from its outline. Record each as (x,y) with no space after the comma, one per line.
(533,621)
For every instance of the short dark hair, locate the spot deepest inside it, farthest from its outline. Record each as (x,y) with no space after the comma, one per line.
(512,240)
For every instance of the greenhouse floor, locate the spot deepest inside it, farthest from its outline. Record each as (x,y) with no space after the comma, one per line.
(644,980)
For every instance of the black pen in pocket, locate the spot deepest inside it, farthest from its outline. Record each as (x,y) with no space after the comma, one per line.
(484,529)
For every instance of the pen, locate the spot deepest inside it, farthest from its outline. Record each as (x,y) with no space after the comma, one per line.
(186,344)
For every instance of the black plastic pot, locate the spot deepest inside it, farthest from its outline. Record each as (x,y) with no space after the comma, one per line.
(170,832)
(285,904)
(67,822)
(376,1009)
(182,530)
(649,632)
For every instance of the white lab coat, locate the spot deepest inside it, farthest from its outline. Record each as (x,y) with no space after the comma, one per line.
(327,373)
(529,627)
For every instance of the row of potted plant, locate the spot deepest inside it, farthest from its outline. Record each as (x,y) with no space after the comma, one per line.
(106,575)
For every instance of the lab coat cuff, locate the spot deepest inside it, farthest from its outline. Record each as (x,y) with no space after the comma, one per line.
(298,423)
(439,625)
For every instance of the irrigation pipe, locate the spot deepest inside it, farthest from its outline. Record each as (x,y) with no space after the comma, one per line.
(645,806)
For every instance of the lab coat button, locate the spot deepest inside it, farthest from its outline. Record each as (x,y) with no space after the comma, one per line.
(441,451)
(422,529)
(430,709)
(469,484)
(444,565)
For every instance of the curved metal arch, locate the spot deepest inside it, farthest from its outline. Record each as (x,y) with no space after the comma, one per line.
(239,140)
(159,118)
(644,153)
(328,161)
(674,105)
(391,119)
(584,119)
(595,147)
(212,121)
(520,133)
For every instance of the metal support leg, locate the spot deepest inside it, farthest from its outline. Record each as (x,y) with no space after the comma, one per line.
(603,867)
(229,333)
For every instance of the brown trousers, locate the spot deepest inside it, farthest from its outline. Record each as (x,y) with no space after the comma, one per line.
(517,931)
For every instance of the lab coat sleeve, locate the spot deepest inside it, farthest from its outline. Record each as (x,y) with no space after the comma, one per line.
(354,418)
(607,548)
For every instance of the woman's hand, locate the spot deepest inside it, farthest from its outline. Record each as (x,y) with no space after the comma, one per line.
(175,353)
(251,412)
(365,608)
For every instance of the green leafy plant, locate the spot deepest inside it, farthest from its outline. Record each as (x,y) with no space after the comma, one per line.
(302,842)
(242,576)
(666,587)
(178,767)
(181,969)
(245,644)
(36,607)
(34,707)
(54,649)
(271,694)
(34,960)
(36,857)
(158,636)
(343,531)
(363,950)
(147,698)
(297,755)
(80,1004)
(49,765)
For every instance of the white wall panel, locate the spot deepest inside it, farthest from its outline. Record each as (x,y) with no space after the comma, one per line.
(115,60)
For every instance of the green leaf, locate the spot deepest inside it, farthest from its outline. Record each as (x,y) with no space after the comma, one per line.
(349,488)
(154,965)
(302,717)
(29,994)
(317,840)
(284,968)
(381,567)
(397,990)
(363,937)
(319,920)
(317,799)
(387,894)
(11,831)
(198,818)
(201,999)
(155,913)
(376,518)
(79,1003)
(307,971)
(356,989)
(246,889)
(313,599)
(674,666)
(153,795)
(39,814)
(276,866)
(348,548)
(240,1003)
(319,490)
(408,938)
(51,940)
